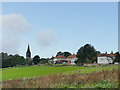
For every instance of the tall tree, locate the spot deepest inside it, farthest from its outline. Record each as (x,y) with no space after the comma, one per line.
(17,60)
(66,54)
(36,59)
(12,60)
(117,57)
(59,53)
(86,54)
(98,52)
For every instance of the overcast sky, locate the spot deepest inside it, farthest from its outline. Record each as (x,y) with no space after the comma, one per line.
(52,27)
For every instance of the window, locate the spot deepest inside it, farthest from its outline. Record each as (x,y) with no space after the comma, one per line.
(101,59)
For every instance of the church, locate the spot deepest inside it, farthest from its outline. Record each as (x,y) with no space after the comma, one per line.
(28,54)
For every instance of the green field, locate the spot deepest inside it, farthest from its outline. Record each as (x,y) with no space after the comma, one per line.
(36,71)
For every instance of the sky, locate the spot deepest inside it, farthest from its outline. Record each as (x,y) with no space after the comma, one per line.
(49,27)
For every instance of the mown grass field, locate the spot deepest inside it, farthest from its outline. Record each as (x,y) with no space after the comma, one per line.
(36,71)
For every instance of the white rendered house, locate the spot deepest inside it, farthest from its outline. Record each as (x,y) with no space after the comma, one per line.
(105,58)
(59,58)
(72,58)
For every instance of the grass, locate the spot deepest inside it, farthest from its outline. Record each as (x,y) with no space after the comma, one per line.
(36,71)
(91,69)
(102,79)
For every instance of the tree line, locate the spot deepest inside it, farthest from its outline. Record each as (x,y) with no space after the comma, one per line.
(86,54)
(17,60)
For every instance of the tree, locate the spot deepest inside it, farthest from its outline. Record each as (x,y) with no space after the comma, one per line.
(98,52)
(17,60)
(4,55)
(36,59)
(65,54)
(117,57)
(59,53)
(43,61)
(86,54)
(12,60)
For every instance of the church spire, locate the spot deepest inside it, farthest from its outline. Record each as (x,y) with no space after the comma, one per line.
(28,49)
(28,53)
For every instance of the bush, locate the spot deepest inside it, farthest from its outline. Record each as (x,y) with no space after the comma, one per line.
(43,61)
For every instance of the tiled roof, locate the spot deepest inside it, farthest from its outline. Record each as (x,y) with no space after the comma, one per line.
(110,55)
(101,55)
(72,56)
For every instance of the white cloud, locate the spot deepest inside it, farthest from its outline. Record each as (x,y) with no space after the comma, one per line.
(45,38)
(13,25)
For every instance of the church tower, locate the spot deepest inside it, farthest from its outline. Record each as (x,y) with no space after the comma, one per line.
(28,54)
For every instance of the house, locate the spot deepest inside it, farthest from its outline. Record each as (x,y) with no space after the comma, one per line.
(61,59)
(72,58)
(105,58)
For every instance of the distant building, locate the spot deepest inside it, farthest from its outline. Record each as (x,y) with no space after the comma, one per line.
(28,54)
(72,58)
(61,59)
(105,58)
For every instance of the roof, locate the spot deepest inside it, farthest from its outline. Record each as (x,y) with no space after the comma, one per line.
(110,55)
(102,55)
(60,56)
(72,56)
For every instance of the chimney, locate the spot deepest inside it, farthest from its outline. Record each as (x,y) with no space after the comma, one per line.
(106,53)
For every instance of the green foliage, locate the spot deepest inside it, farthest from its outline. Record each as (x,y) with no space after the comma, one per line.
(65,54)
(86,54)
(35,71)
(36,59)
(59,53)
(13,60)
(43,61)
(104,79)
(117,57)
(98,85)
(101,84)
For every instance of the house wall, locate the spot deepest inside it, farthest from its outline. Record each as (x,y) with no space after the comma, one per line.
(58,59)
(111,59)
(73,60)
(102,60)
(105,60)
